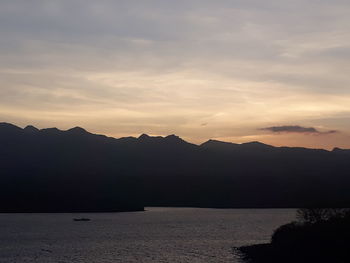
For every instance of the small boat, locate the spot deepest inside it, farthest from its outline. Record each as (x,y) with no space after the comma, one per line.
(81,219)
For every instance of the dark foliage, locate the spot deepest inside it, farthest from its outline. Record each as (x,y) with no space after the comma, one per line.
(316,215)
(325,240)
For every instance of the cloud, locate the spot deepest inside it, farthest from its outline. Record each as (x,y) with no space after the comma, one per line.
(160,66)
(297,129)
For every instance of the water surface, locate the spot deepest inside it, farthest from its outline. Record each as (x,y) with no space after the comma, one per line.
(157,235)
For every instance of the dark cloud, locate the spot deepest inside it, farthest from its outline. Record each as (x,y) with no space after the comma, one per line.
(296,129)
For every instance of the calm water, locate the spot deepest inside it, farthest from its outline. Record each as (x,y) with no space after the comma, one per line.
(158,235)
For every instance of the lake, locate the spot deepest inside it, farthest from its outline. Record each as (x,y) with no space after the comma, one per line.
(157,235)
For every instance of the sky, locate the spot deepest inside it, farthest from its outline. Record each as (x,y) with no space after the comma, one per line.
(275,71)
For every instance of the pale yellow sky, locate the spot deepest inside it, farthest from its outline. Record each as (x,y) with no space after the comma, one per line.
(199,69)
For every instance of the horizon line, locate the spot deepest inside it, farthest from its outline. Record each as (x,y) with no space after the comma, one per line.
(165,136)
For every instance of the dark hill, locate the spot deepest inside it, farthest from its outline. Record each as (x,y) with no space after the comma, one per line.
(74,170)
(31,128)
(320,241)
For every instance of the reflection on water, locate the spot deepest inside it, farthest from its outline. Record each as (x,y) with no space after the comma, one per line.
(157,235)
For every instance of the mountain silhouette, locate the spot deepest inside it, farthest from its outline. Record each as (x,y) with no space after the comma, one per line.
(58,171)
(31,128)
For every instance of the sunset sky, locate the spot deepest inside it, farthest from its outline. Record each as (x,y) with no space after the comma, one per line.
(274,71)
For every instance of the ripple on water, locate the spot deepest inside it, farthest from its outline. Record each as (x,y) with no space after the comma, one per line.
(157,235)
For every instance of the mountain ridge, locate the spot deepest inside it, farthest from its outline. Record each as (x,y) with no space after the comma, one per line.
(74,170)
(143,137)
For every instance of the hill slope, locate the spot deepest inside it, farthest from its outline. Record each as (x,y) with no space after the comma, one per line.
(74,170)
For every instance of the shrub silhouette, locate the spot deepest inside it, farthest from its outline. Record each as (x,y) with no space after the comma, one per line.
(314,215)
(319,235)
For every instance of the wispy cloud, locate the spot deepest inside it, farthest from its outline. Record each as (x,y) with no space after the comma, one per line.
(199,68)
(296,129)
